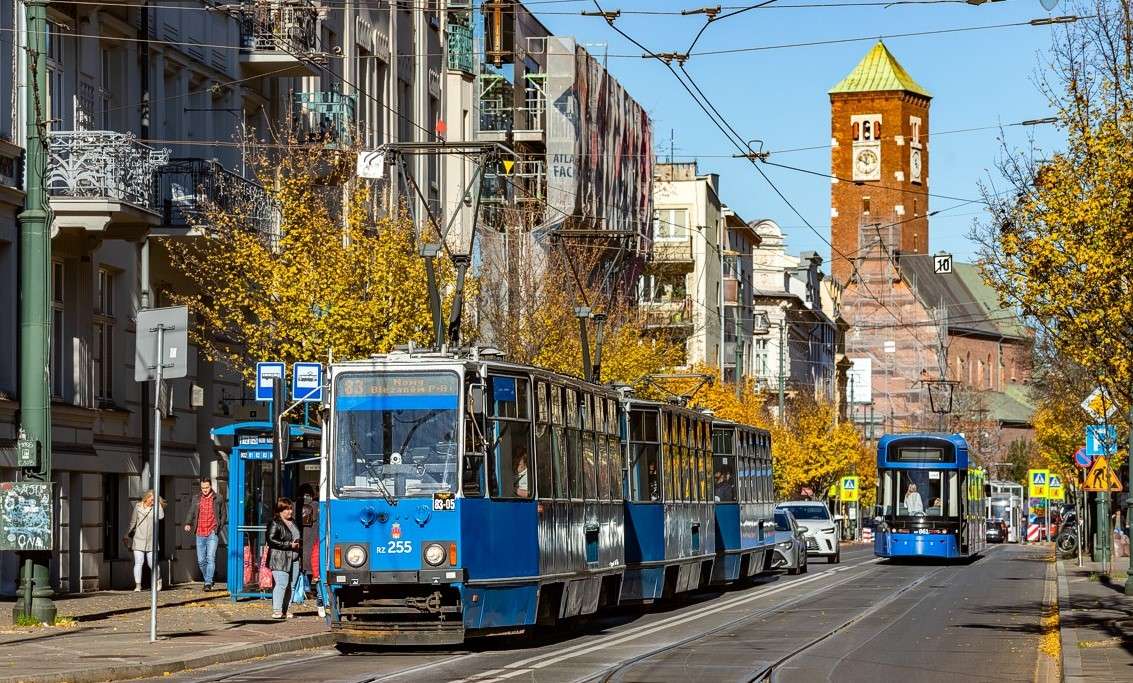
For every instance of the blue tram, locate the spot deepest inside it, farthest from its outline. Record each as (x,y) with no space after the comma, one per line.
(931,501)
(465,494)
(670,537)
(744,500)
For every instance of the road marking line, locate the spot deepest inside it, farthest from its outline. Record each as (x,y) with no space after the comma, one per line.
(519,668)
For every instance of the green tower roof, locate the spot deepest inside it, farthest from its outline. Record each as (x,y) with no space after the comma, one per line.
(878,71)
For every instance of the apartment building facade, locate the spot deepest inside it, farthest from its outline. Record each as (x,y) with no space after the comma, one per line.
(150,111)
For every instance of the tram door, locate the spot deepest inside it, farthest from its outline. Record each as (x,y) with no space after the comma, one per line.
(251,479)
(964,512)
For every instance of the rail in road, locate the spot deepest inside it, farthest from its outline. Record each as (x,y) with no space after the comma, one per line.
(811,627)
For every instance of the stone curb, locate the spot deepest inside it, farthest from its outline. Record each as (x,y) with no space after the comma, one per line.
(1071,655)
(159,668)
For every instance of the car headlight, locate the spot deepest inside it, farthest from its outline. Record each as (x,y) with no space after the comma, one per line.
(828,530)
(434,554)
(785,544)
(356,556)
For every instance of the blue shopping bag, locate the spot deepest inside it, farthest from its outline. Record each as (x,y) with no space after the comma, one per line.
(300,593)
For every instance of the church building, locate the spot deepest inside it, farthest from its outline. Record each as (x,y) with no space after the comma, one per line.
(917,321)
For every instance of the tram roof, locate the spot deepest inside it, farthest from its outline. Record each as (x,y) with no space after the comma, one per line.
(956,439)
(232,429)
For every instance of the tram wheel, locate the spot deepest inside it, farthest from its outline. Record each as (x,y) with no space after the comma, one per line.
(349,648)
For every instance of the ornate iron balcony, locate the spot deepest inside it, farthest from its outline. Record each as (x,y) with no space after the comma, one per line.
(189,188)
(289,26)
(102,164)
(323,116)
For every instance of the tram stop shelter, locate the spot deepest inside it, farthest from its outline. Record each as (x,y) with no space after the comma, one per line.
(251,483)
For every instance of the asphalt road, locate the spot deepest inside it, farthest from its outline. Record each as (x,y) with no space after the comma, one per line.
(864,619)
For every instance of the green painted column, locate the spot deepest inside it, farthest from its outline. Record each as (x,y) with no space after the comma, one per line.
(35,292)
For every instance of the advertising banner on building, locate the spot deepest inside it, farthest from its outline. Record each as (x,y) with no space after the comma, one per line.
(859,381)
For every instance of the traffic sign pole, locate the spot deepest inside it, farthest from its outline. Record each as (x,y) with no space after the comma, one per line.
(1129,508)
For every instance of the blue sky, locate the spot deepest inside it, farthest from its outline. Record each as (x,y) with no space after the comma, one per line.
(977,78)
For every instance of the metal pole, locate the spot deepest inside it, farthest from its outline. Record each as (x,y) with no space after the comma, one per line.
(35,288)
(1129,489)
(155,563)
(782,337)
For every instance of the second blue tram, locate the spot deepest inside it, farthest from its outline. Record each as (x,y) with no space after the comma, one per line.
(744,500)
(931,501)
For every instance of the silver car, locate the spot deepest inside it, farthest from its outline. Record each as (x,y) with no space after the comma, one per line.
(790,548)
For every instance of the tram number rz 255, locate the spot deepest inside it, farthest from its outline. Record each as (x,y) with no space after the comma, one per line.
(395,548)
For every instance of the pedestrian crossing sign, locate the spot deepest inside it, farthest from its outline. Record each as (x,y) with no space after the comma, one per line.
(1037,483)
(1101,478)
(1054,488)
(850,490)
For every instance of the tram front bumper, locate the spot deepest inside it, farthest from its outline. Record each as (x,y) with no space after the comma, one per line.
(916,545)
(392,610)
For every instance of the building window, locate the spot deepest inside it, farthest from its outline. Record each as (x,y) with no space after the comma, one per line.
(111,503)
(663,289)
(55,97)
(670,224)
(103,342)
(58,338)
(877,130)
(855,128)
(865,206)
(760,358)
(990,376)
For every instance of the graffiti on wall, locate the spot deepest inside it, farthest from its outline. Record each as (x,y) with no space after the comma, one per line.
(25,515)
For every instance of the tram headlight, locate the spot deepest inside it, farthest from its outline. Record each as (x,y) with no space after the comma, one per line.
(434,554)
(356,556)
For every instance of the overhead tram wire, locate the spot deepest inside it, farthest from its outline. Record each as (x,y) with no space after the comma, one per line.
(737,141)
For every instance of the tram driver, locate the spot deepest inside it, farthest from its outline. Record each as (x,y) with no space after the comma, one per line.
(520,464)
(913,503)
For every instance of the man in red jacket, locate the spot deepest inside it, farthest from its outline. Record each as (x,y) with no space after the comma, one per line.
(206,517)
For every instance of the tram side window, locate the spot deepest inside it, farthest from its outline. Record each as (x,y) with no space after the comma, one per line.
(669,474)
(644,465)
(617,468)
(574,444)
(475,445)
(558,445)
(589,455)
(509,475)
(543,450)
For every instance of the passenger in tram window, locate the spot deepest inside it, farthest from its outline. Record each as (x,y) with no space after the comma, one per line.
(936,509)
(520,464)
(654,482)
(913,503)
(723,490)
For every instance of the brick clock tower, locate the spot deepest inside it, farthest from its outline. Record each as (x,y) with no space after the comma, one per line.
(879,157)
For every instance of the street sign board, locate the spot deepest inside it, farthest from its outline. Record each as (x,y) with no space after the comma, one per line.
(1099,406)
(266,373)
(27,450)
(1082,459)
(942,264)
(1101,440)
(1054,488)
(25,515)
(307,382)
(1101,478)
(859,381)
(174,357)
(1037,483)
(850,490)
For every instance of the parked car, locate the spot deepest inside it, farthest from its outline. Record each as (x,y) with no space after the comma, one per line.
(790,549)
(996,531)
(819,528)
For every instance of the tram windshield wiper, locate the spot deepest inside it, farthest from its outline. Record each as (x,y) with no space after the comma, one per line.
(372,476)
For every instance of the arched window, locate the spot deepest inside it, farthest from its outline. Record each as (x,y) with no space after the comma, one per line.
(855,129)
(877,130)
(865,130)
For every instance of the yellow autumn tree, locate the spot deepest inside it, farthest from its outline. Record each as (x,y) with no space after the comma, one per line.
(1059,246)
(328,276)
(811,449)
(529,291)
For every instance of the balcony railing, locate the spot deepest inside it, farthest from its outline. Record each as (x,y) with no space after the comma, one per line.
(190,188)
(290,26)
(526,181)
(672,251)
(667,314)
(324,116)
(100,164)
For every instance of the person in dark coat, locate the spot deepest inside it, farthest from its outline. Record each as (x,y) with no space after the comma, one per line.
(283,557)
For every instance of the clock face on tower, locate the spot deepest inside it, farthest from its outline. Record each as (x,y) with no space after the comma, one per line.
(866,162)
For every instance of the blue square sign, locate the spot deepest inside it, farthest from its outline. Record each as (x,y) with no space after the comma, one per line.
(266,373)
(1101,440)
(307,382)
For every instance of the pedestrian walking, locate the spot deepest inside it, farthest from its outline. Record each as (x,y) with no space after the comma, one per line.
(283,557)
(140,538)
(206,517)
(309,557)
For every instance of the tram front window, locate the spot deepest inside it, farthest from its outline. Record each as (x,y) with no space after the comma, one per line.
(395,434)
(920,493)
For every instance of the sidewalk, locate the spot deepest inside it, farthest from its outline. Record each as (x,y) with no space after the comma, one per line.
(105,636)
(1095,623)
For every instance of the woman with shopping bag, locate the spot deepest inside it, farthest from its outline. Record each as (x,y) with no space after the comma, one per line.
(283,557)
(139,538)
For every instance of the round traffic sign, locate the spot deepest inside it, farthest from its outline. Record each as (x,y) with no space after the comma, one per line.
(1082,460)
